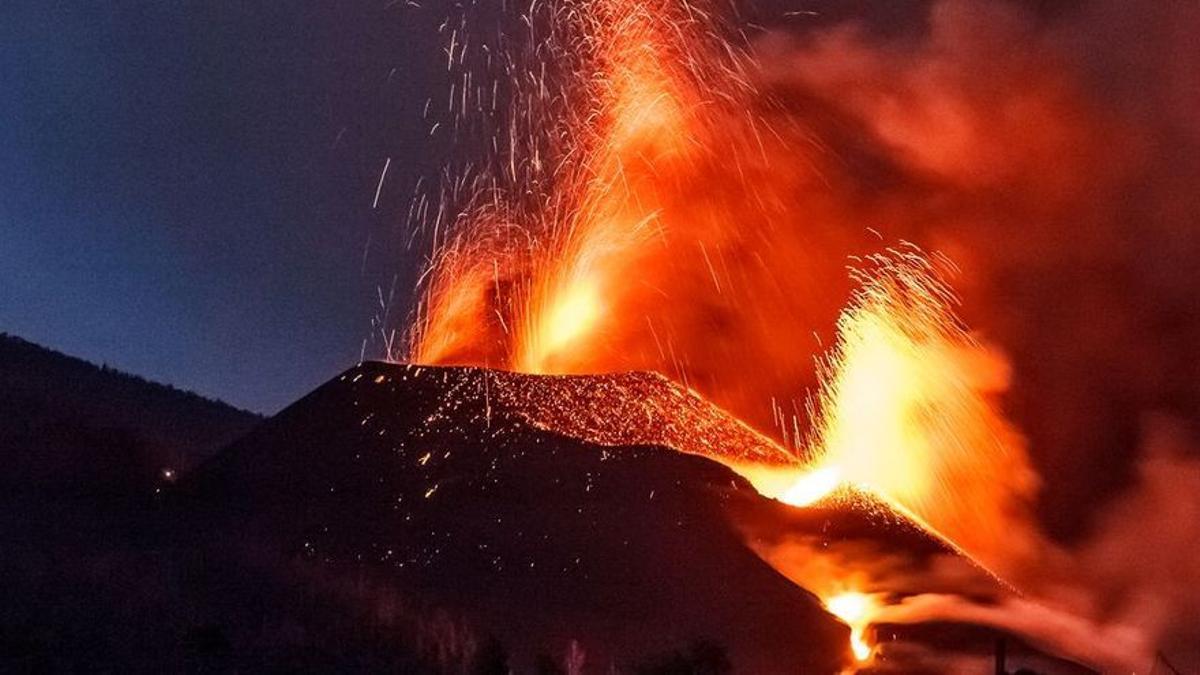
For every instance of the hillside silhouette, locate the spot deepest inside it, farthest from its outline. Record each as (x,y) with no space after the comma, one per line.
(533,550)
(70,426)
(84,447)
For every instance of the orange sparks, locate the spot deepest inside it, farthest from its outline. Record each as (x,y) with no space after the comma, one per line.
(638,185)
(639,128)
(549,255)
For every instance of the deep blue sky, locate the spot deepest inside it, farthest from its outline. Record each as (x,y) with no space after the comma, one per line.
(186,187)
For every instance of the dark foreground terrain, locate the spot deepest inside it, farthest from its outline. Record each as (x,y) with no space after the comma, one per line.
(403,519)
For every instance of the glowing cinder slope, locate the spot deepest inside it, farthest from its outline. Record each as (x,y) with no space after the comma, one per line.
(634,408)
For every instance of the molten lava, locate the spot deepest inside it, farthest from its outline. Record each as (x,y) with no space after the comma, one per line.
(856,609)
(812,486)
(908,411)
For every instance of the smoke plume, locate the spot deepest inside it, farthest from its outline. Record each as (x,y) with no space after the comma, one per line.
(662,199)
(1054,156)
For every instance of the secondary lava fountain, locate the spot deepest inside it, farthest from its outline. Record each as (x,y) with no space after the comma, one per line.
(908,411)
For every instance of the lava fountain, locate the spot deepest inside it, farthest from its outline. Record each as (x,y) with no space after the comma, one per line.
(588,172)
(631,220)
(908,410)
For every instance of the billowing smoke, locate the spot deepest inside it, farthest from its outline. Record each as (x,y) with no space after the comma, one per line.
(1120,601)
(1137,567)
(1124,599)
(1054,155)
(1053,158)
(695,213)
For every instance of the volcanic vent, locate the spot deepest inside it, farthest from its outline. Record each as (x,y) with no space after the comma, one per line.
(446,484)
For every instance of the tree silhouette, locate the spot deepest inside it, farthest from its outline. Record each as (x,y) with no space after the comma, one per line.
(490,659)
(702,657)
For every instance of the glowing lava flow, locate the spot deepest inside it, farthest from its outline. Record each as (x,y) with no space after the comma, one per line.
(812,486)
(856,609)
(906,412)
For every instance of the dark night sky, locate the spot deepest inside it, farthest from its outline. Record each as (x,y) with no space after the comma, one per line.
(186,187)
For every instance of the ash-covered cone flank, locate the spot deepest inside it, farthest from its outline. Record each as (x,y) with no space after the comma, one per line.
(404,517)
(439,486)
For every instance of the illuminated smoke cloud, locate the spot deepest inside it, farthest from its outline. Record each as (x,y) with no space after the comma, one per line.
(671,201)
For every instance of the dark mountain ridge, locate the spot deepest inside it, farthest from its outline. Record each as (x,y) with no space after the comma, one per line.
(67,424)
(83,448)
(452,499)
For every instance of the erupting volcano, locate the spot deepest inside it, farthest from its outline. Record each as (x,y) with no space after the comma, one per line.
(723,336)
(631,219)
